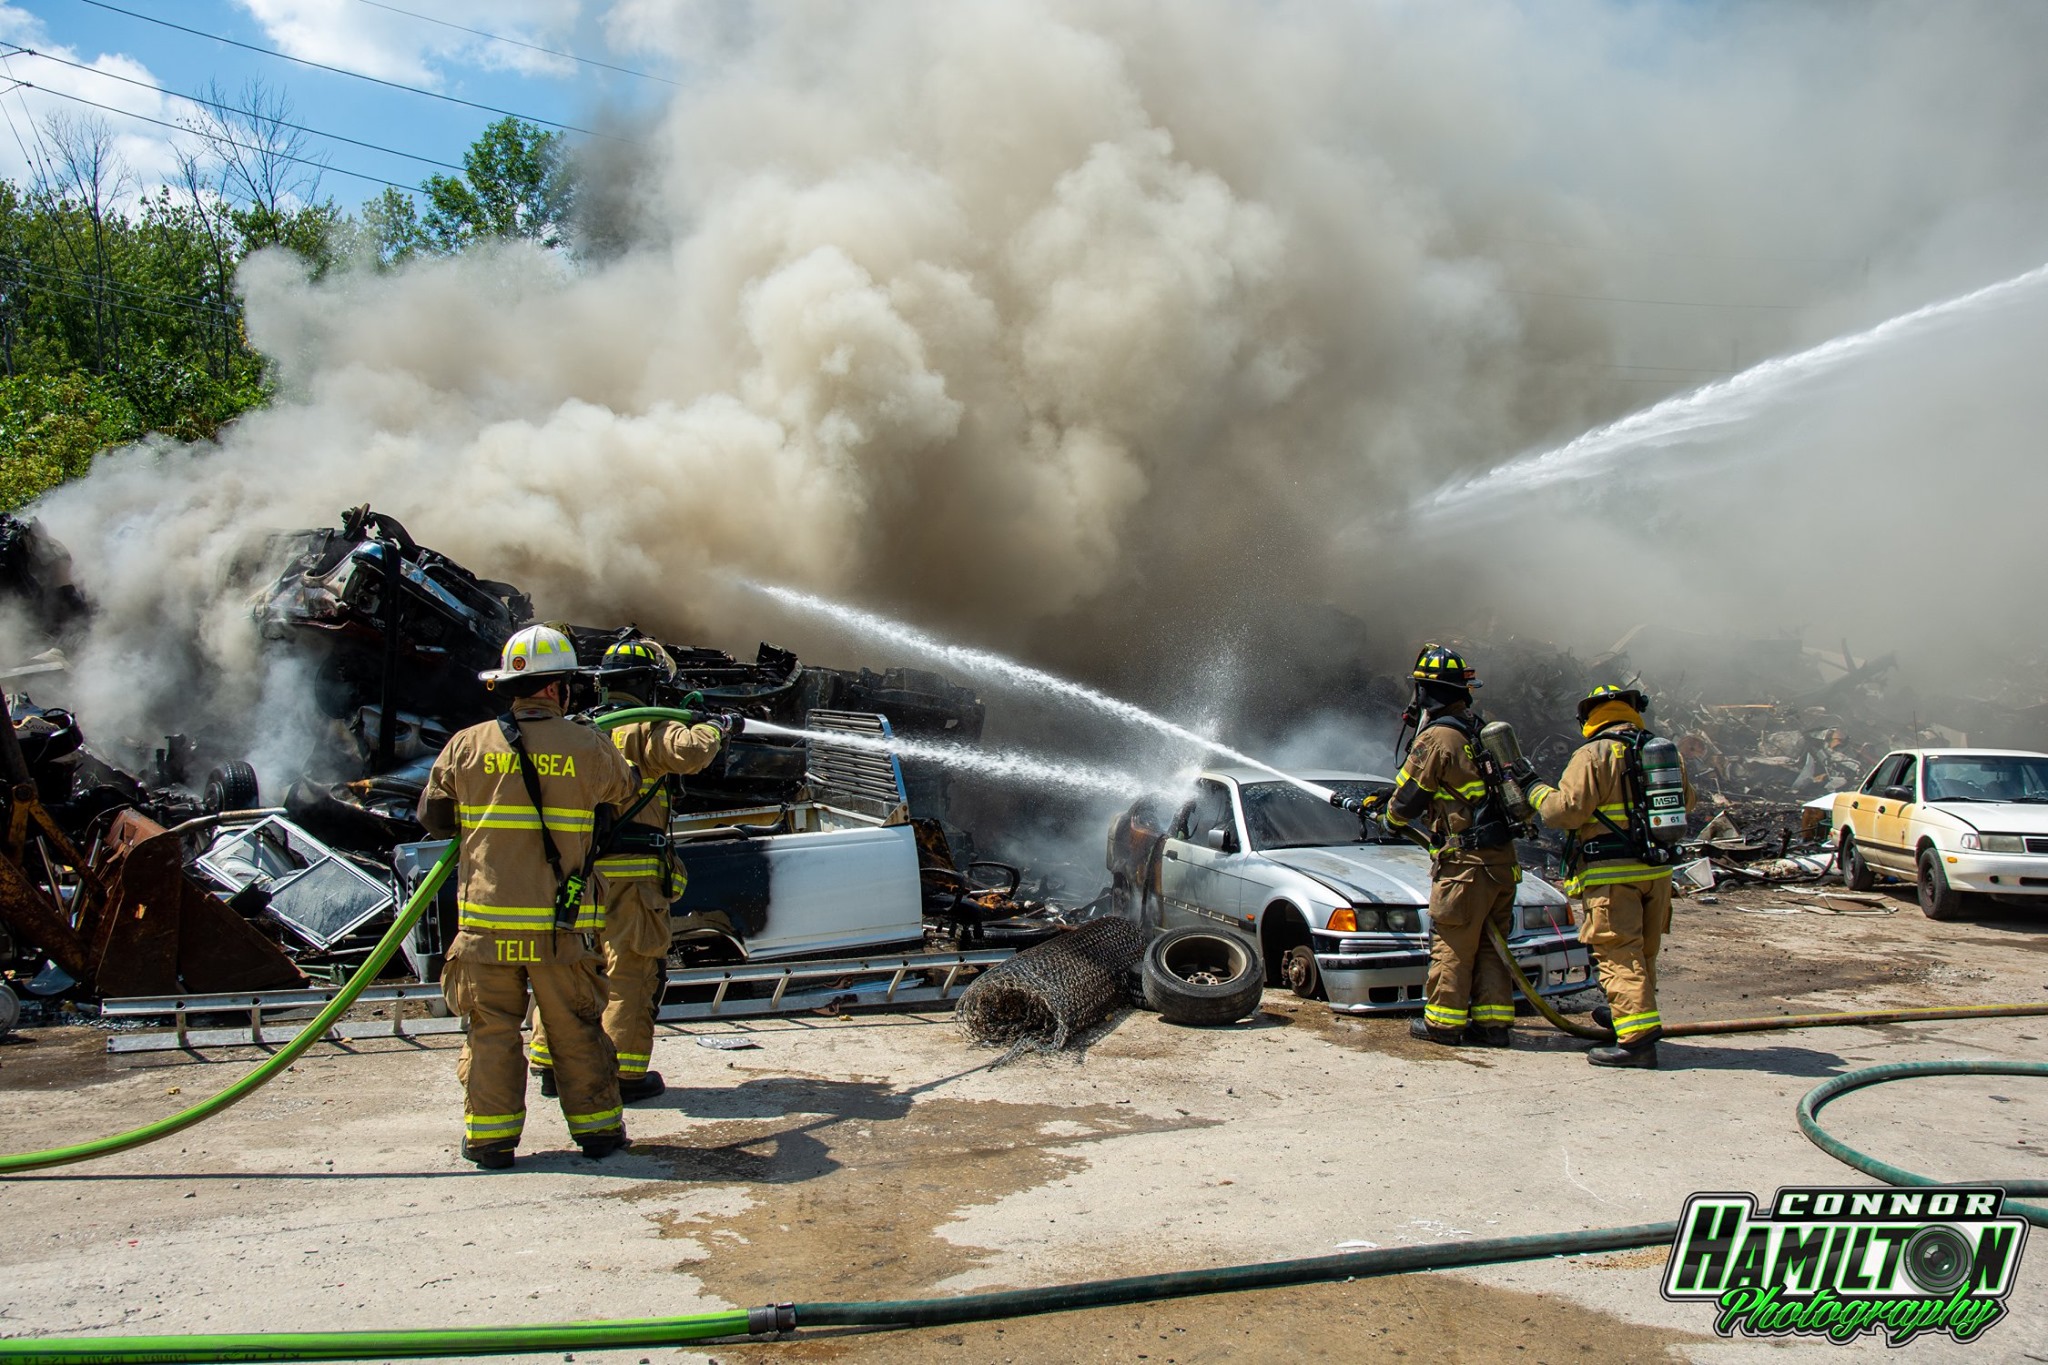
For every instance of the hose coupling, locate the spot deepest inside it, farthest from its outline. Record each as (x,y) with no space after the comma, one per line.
(771,1319)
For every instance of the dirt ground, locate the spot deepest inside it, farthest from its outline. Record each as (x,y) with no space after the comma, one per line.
(880,1157)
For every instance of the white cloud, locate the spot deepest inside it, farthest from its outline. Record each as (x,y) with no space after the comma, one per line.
(398,47)
(32,95)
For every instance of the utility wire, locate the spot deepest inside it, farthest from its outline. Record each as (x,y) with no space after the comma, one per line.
(226,141)
(515,42)
(235,109)
(122,304)
(358,75)
(69,277)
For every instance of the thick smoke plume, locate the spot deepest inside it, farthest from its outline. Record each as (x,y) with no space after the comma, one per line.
(1098,330)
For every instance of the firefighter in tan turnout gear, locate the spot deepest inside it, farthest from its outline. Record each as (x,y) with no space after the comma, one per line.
(1441,794)
(642,878)
(1622,798)
(522,793)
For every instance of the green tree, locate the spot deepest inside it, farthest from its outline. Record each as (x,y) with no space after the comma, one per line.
(516,182)
(51,426)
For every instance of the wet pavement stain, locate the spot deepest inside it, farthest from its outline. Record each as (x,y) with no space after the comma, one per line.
(850,1184)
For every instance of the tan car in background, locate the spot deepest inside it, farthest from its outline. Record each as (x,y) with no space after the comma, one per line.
(1952,821)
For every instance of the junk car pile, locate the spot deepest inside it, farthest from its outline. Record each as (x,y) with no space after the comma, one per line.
(172,873)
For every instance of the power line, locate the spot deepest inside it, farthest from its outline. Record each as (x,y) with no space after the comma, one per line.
(101,283)
(344,71)
(122,304)
(237,109)
(515,42)
(226,141)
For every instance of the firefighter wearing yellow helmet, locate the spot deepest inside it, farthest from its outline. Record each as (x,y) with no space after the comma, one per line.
(1441,795)
(1622,799)
(521,793)
(641,878)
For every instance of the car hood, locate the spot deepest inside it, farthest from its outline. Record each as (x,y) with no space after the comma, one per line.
(2004,817)
(1387,874)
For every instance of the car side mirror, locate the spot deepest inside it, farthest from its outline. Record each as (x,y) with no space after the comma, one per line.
(1897,793)
(1222,839)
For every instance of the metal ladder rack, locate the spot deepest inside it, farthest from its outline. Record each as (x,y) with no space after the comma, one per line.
(847,983)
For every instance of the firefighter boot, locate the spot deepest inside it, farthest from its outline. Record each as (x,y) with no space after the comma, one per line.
(645,1086)
(598,1146)
(489,1156)
(1639,1051)
(546,1076)
(1484,1035)
(1421,1032)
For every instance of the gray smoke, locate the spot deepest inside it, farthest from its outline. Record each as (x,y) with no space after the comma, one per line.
(1097,330)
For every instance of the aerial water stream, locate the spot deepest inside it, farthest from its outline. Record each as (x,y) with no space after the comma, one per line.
(997,668)
(1713,406)
(1003,764)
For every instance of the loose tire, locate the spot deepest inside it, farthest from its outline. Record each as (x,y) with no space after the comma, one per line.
(1856,873)
(1298,969)
(1938,900)
(10,1009)
(1202,977)
(231,786)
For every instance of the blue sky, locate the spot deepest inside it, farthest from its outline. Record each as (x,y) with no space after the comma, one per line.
(356,35)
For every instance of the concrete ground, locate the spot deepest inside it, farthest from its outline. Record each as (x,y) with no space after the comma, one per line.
(881,1157)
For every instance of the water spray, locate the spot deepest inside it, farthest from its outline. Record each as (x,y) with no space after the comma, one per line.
(1005,765)
(999,668)
(1703,409)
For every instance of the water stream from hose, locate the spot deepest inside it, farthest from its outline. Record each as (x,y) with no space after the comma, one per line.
(1005,765)
(1705,409)
(997,668)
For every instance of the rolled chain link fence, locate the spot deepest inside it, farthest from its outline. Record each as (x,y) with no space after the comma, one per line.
(1042,998)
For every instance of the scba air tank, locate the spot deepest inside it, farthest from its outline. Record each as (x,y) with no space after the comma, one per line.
(1663,790)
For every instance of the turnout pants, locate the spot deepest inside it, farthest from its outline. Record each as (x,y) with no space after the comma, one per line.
(1468,983)
(635,942)
(1625,925)
(487,978)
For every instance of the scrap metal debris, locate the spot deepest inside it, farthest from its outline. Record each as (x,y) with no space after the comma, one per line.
(193,884)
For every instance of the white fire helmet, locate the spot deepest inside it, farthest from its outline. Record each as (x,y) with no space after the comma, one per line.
(536,649)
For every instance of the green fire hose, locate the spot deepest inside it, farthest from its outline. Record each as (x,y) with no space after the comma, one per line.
(314,1031)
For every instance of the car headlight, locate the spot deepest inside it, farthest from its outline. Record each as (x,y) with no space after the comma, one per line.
(1992,843)
(1404,920)
(1540,917)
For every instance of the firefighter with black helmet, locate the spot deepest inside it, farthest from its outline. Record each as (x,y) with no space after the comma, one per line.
(522,793)
(639,877)
(1622,800)
(1442,795)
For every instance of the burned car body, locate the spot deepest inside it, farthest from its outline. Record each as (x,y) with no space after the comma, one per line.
(1337,909)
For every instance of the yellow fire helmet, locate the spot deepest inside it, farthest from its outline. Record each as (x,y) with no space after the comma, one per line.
(1630,696)
(1436,664)
(536,649)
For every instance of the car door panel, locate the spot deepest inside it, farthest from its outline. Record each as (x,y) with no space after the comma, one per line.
(1869,812)
(1200,885)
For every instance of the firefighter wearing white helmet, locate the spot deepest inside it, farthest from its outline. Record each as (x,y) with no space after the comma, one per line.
(641,878)
(522,793)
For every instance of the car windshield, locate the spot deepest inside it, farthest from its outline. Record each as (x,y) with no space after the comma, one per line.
(1986,777)
(1282,815)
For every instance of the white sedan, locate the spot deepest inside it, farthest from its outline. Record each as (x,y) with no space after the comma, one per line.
(1954,821)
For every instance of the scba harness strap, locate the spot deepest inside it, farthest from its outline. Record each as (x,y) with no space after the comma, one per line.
(568,890)
(1628,841)
(1490,826)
